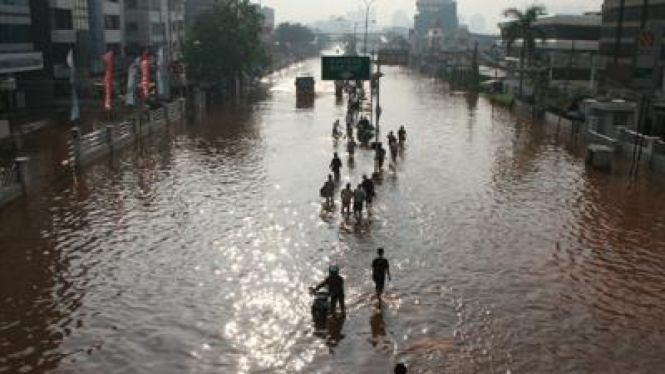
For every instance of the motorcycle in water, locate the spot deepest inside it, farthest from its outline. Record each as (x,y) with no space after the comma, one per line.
(327,326)
(320,306)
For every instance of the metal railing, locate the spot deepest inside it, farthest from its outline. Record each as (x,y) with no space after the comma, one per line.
(659,147)
(158,116)
(8,175)
(90,142)
(122,131)
(84,148)
(174,111)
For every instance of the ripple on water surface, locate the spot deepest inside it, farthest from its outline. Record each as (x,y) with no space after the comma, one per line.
(193,251)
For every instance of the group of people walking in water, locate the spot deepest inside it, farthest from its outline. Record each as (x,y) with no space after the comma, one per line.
(361,198)
(364,193)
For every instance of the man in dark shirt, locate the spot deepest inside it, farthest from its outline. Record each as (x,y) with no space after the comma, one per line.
(336,165)
(380,268)
(402,136)
(368,186)
(335,284)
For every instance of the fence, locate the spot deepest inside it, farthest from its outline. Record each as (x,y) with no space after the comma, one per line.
(635,144)
(8,175)
(564,125)
(630,144)
(658,157)
(594,137)
(13,180)
(175,111)
(158,117)
(86,148)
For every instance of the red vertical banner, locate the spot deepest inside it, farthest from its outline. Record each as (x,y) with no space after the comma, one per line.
(108,80)
(145,75)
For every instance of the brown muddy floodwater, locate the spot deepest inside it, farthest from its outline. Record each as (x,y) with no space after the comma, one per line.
(192,252)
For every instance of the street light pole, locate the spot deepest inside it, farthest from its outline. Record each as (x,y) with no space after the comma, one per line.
(368,5)
(355,38)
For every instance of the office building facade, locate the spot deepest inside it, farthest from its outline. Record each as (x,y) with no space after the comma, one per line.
(569,48)
(622,21)
(20,62)
(153,24)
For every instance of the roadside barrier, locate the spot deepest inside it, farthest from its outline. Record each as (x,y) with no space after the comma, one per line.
(86,148)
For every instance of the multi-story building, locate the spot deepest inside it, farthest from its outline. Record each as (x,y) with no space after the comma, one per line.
(433,20)
(569,48)
(268,20)
(433,13)
(622,21)
(20,61)
(152,24)
(88,27)
(193,8)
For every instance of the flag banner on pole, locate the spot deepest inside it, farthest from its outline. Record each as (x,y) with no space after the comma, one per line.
(145,75)
(133,81)
(75,112)
(108,80)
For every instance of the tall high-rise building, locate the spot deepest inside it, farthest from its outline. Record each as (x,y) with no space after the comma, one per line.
(268,20)
(435,14)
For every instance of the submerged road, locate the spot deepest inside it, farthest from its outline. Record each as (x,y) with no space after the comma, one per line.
(192,252)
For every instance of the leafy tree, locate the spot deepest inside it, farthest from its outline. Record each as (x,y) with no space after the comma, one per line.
(226,42)
(522,27)
(295,34)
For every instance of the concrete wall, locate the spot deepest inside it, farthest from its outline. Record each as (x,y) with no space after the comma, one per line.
(564,125)
(633,143)
(11,193)
(593,137)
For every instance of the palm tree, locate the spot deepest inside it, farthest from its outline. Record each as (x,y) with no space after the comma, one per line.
(521,27)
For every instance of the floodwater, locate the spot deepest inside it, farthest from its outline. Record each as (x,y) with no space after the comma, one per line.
(192,252)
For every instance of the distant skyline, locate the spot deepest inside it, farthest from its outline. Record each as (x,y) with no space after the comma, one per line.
(307,11)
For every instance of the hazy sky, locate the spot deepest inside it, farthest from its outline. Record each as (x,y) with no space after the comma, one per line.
(312,10)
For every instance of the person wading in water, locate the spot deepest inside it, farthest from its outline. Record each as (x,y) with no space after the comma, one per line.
(335,284)
(328,191)
(380,269)
(347,196)
(336,165)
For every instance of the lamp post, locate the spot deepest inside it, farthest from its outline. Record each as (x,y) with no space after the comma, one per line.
(368,5)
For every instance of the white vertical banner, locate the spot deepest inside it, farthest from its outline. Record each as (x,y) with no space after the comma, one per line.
(75,113)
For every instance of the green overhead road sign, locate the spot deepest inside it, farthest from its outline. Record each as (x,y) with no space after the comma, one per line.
(337,68)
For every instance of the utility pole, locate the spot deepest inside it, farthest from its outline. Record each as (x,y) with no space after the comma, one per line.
(619,33)
(368,5)
(355,38)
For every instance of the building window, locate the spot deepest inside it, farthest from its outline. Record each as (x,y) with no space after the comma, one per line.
(157,28)
(14,34)
(14,2)
(132,28)
(61,19)
(112,22)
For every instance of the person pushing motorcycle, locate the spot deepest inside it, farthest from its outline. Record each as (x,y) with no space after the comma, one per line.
(335,284)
